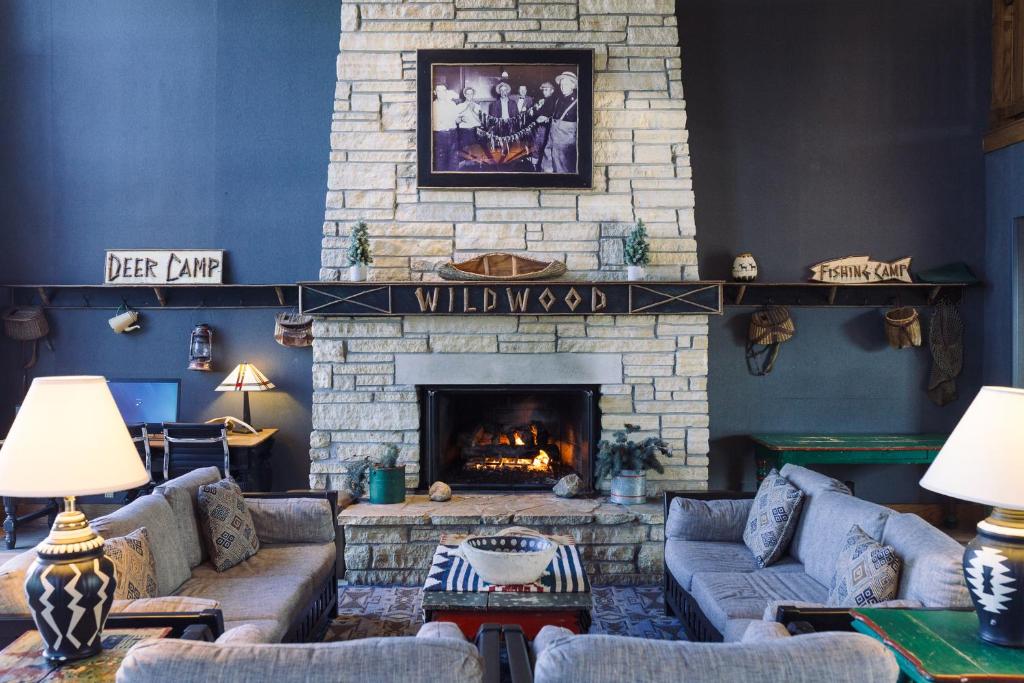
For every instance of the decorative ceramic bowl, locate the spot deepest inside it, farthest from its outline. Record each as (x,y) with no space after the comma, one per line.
(509,559)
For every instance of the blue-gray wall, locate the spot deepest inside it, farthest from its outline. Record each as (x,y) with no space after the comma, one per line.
(820,129)
(173,123)
(1004,191)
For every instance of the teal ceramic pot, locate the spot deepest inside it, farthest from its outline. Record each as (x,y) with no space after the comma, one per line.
(387,485)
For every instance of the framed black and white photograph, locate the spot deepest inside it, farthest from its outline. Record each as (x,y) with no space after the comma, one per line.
(505,118)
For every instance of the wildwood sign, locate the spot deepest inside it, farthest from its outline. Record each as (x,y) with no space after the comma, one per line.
(497,298)
(859,269)
(164,267)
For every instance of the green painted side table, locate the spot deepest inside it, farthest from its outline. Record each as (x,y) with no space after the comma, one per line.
(775,450)
(939,645)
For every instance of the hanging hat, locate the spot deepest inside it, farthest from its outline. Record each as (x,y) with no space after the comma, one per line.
(564,75)
(503,84)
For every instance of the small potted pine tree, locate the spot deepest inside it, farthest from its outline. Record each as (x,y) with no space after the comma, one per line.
(359,255)
(387,478)
(637,251)
(627,462)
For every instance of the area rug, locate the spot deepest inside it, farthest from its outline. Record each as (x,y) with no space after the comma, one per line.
(375,611)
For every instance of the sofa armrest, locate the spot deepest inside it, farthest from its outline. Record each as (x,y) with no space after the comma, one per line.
(293,516)
(715,519)
(823,618)
(705,495)
(212,620)
(440,629)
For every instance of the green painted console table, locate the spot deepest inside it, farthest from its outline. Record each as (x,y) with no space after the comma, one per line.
(775,450)
(939,645)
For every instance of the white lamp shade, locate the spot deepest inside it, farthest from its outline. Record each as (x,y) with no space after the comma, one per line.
(983,460)
(245,377)
(69,439)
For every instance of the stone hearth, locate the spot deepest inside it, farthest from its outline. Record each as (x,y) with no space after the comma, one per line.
(393,544)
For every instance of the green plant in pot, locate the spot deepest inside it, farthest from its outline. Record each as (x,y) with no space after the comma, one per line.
(637,252)
(627,462)
(359,254)
(387,478)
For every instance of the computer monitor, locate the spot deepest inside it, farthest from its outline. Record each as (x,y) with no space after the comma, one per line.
(152,401)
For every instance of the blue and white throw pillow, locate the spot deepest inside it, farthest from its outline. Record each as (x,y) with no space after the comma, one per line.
(772,519)
(867,572)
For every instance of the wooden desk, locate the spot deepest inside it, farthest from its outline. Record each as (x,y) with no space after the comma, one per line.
(939,645)
(250,457)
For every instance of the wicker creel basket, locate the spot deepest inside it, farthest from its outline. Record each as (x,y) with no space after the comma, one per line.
(293,330)
(772,325)
(25,323)
(903,327)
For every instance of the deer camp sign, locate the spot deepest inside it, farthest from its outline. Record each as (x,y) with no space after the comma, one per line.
(163,267)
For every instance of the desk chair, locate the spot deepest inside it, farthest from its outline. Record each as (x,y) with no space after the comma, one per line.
(140,437)
(189,446)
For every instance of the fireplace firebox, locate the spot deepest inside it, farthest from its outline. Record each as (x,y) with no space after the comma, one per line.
(507,437)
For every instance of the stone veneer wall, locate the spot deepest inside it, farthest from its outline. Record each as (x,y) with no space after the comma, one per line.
(641,170)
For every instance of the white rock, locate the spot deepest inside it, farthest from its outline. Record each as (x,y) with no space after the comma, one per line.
(440,491)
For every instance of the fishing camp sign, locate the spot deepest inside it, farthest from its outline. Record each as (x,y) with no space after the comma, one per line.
(853,270)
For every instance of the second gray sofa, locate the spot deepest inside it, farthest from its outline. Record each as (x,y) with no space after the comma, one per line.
(716,589)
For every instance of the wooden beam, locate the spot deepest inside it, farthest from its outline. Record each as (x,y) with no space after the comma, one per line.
(832,295)
(280,295)
(44,296)
(740,293)
(160,296)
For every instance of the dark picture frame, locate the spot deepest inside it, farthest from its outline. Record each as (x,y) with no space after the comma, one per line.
(511,148)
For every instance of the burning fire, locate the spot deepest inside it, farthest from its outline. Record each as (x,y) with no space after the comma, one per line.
(542,462)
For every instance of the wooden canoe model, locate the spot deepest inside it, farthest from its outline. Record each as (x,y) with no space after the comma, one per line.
(501,267)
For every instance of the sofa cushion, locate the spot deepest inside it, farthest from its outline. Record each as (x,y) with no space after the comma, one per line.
(811,482)
(154,513)
(167,603)
(182,493)
(686,558)
(707,520)
(134,566)
(932,562)
(381,660)
(772,519)
(275,598)
(12,583)
(227,525)
(318,560)
(867,572)
(821,533)
(292,520)
(744,595)
(813,658)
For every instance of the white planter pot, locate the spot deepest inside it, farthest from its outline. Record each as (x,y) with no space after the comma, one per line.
(357,272)
(635,273)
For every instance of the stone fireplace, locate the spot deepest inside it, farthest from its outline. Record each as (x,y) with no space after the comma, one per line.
(374,377)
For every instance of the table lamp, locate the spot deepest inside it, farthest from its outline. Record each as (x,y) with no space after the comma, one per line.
(983,462)
(245,378)
(68,440)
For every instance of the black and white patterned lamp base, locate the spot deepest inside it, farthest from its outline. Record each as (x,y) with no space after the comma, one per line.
(994,569)
(70,589)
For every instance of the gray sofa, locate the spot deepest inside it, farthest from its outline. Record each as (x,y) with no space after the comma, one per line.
(286,592)
(716,589)
(767,655)
(439,652)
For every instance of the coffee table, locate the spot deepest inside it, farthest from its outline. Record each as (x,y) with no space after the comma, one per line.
(561,598)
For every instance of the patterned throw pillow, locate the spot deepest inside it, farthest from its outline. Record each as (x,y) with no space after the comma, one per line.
(134,565)
(226,521)
(866,572)
(772,519)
